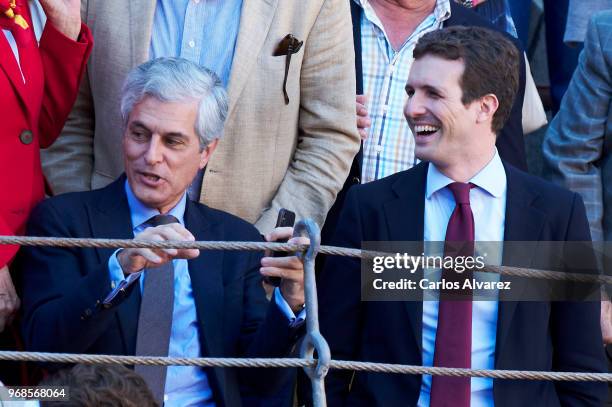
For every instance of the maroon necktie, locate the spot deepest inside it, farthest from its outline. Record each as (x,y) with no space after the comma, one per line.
(454,334)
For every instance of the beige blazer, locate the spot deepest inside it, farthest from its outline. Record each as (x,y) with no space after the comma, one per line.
(272,154)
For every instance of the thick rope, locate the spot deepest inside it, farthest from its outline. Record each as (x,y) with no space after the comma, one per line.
(294,362)
(283,247)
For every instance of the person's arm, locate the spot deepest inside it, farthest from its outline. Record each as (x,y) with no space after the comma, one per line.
(575,328)
(573,144)
(68,164)
(60,289)
(327,135)
(64,48)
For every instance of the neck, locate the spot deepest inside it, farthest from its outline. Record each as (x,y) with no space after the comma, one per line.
(404,11)
(400,18)
(468,167)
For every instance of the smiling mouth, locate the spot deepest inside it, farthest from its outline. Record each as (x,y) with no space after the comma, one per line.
(425,130)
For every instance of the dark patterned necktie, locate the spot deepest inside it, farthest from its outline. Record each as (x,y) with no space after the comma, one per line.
(454,333)
(155,318)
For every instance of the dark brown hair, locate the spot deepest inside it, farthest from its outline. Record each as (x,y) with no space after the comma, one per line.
(491,64)
(93,385)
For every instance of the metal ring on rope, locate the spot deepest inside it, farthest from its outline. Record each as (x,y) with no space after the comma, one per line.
(313,341)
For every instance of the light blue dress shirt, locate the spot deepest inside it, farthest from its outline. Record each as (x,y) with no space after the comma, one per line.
(202,31)
(488,203)
(185,385)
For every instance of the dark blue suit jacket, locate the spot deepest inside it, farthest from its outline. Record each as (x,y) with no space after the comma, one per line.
(61,288)
(558,336)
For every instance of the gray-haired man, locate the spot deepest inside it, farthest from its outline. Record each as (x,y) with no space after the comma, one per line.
(100,301)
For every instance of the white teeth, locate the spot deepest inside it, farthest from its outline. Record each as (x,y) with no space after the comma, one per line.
(422,128)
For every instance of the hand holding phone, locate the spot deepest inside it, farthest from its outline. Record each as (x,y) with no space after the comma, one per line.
(286,218)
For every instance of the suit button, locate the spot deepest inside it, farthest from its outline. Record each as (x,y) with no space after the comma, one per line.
(355,180)
(26,137)
(87,314)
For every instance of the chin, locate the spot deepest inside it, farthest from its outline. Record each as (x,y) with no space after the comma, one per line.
(147,196)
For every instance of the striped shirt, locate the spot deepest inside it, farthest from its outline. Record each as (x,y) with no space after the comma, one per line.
(389,147)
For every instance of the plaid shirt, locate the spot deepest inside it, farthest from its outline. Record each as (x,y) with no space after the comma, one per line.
(389,147)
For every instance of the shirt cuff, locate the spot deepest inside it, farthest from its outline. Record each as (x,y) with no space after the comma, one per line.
(294,321)
(114,270)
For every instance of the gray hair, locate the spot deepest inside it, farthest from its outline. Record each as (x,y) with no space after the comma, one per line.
(177,79)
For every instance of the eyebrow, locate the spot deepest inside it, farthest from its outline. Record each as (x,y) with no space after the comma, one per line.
(426,87)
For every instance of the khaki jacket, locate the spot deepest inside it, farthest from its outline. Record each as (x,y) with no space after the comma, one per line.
(272,154)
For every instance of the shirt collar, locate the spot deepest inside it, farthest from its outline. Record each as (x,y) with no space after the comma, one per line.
(140,213)
(442,11)
(492,178)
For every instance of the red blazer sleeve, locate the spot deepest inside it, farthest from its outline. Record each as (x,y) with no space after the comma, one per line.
(64,62)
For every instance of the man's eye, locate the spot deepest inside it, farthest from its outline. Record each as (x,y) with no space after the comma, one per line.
(173,142)
(433,95)
(139,135)
(410,92)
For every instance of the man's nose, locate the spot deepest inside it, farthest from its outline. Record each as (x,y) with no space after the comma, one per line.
(154,153)
(414,107)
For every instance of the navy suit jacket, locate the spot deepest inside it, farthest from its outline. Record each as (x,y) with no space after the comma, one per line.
(558,336)
(62,286)
(510,143)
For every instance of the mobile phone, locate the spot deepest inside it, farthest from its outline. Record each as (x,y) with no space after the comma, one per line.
(285,218)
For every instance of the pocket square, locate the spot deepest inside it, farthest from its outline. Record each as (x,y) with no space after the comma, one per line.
(287,47)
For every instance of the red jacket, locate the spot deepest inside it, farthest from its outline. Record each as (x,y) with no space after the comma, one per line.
(32,116)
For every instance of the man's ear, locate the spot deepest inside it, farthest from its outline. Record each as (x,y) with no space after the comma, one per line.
(207,151)
(488,106)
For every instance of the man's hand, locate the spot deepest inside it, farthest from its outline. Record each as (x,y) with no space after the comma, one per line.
(134,260)
(606,321)
(65,15)
(363,119)
(9,302)
(289,269)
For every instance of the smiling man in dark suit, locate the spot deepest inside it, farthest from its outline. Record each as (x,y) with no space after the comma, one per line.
(460,91)
(384,35)
(160,302)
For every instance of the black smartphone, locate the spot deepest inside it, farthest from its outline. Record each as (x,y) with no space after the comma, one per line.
(285,218)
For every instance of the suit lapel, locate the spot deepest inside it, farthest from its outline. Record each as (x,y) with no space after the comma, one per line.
(255,21)
(404,218)
(110,218)
(10,67)
(206,273)
(523,223)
